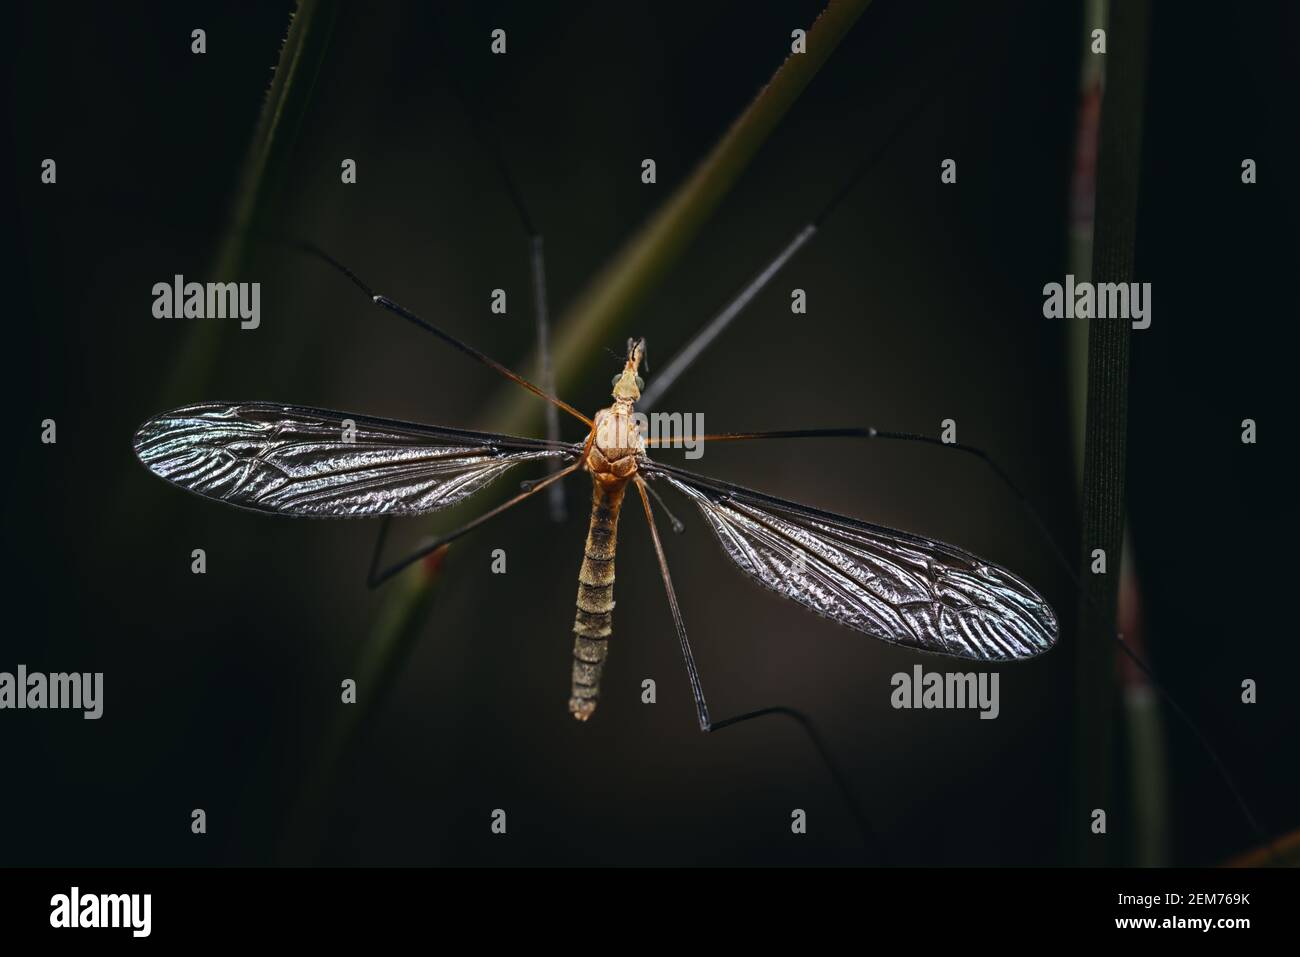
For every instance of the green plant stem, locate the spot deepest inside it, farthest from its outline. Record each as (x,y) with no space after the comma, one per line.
(265,165)
(1096,698)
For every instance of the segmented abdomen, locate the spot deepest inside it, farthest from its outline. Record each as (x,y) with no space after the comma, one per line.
(595,620)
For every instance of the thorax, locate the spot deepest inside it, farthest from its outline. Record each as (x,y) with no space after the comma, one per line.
(616,445)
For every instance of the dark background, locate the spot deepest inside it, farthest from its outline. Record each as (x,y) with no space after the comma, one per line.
(925,303)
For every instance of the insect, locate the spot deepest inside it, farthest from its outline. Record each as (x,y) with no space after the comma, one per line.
(891,585)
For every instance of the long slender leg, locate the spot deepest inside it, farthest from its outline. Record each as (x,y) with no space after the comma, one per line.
(869,836)
(376,579)
(677,525)
(537,270)
(702,709)
(692,672)
(537,263)
(380,539)
(397,309)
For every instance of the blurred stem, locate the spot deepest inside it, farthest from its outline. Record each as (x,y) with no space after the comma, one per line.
(1096,700)
(265,166)
(1148,788)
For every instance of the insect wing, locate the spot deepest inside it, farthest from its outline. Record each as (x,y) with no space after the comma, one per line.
(299,461)
(892,585)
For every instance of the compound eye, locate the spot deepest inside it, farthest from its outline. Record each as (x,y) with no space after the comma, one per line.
(640,384)
(616,378)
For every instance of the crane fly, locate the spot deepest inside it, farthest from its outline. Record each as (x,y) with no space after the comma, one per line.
(306,462)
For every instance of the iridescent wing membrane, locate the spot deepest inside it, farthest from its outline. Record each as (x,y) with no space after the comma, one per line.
(891,585)
(294,460)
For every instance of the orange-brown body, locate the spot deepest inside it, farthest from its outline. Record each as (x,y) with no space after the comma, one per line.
(612,454)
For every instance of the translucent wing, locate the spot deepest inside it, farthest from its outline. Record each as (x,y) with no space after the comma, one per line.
(301,461)
(891,585)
